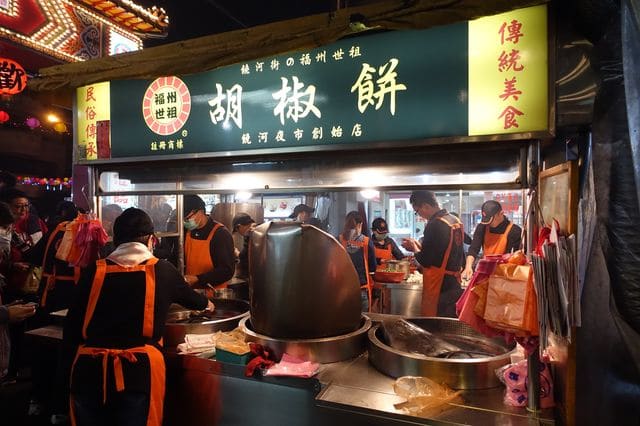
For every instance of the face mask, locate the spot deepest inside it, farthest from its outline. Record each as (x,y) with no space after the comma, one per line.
(353,234)
(380,237)
(190,224)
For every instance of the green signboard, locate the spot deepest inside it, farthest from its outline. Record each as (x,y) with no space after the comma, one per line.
(389,86)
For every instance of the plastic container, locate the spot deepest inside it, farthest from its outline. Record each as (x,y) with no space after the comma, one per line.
(389,277)
(232,358)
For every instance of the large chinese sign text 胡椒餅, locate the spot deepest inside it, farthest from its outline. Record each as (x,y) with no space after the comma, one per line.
(392,86)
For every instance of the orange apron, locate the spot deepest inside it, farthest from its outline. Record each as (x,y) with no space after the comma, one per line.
(433,276)
(52,276)
(197,256)
(495,243)
(156,360)
(364,244)
(383,253)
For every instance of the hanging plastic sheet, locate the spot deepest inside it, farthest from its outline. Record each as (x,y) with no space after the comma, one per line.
(556,282)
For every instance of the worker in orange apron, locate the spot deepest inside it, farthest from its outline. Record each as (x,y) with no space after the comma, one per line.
(208,247)
(495,235)
(117,321)
(441,254)
(362,254)
(385,247)
(59,277)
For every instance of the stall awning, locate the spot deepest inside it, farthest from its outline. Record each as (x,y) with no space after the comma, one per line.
(217,50)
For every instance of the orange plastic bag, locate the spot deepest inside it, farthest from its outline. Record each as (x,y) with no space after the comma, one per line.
(511,301)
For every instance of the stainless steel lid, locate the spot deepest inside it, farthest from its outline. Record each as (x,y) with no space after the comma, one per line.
(302,283)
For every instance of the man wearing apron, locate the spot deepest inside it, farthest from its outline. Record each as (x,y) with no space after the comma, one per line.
(117,321)
(441,254)
(495,234)
(209,255)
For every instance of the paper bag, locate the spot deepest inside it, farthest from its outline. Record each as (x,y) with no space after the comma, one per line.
(511,302)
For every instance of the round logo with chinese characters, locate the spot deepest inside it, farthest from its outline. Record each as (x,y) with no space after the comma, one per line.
(166,105)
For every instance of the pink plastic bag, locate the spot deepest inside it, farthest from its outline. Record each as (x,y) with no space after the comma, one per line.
(291,366)
(514,376)
(467,302)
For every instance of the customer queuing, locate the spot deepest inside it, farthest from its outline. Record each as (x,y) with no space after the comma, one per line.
(9,313)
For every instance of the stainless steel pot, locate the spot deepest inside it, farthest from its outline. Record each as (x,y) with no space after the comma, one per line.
(323,350)
(465,373)
(182,321)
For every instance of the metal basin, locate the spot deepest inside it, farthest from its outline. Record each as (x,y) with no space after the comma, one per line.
(181,321)
(465,373)
(323,350)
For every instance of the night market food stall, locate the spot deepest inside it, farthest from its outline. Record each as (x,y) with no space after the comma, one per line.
(456,108)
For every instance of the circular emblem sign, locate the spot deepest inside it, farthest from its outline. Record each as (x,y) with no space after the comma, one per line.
(166,105)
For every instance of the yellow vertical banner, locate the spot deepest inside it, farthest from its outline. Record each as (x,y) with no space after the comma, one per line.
(93,105)
(508,68)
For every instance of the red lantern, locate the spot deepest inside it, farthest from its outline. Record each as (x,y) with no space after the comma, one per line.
(14,78)
(32,122)
(4,116)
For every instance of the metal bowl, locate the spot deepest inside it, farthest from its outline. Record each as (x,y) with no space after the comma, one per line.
(181,321)
(465,373)
(323,350)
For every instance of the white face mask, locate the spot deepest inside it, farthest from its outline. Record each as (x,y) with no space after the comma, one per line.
(353,234)
(380,237)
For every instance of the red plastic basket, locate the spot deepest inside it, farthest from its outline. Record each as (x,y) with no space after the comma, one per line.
(388,277)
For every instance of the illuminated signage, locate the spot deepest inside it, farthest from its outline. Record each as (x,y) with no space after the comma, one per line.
(92,112)
(485,77)
(508,72)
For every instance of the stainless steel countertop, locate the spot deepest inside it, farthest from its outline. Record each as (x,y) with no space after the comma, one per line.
(357,384)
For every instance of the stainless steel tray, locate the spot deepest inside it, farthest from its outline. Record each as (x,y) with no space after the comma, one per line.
(226,317)
(466,373)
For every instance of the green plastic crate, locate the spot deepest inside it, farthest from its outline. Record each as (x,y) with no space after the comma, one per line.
(231,358)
